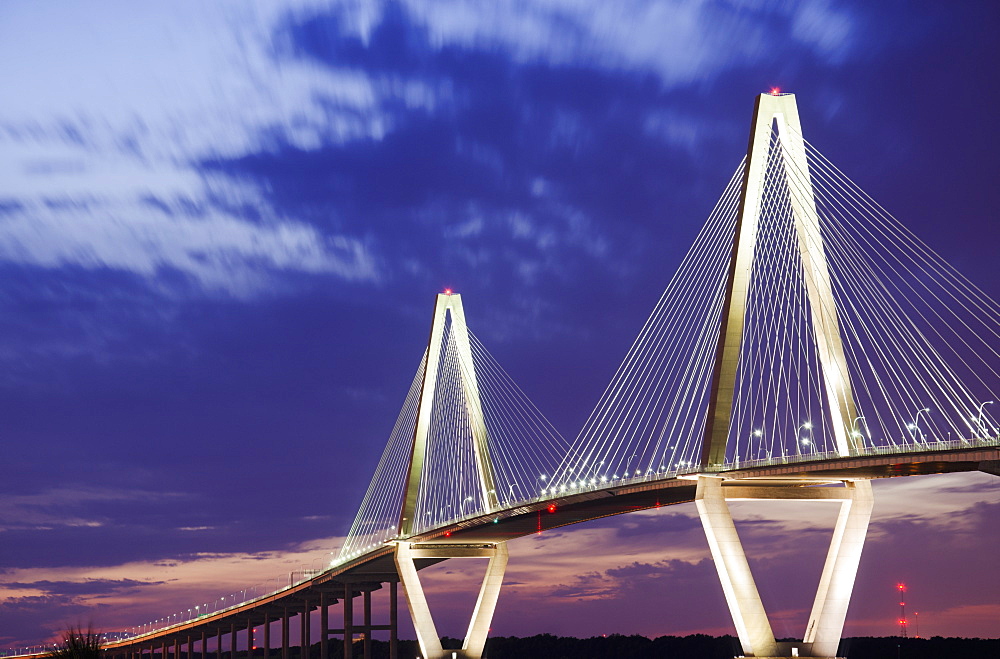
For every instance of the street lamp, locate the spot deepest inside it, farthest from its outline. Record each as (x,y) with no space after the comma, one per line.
(913,426)
(856,427)
(804,441)
(627,463)
(979,419)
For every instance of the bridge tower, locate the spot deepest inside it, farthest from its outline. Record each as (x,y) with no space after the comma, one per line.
(449,318)
(776,126)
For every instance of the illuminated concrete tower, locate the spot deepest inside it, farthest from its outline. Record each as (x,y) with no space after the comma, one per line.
(448,307)
(777,114)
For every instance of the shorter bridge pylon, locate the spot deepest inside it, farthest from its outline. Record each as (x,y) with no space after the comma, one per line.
(449,320)
(826,621)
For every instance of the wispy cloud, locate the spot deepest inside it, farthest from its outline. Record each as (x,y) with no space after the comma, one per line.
(679,40)
(215,251)
(64,506)
(79,148)
(85,587)
(38,602)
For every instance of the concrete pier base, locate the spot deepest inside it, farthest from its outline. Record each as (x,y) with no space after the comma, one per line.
(826,621)
(482,616)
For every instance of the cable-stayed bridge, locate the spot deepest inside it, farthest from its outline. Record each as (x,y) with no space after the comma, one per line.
(807,344)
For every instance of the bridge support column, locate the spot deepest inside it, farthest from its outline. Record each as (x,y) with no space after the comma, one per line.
(348,620)
(324,624)
(266,650)
(304,631)
(284,633)
(393,617)
(489,592)
(826,622)
(367,643)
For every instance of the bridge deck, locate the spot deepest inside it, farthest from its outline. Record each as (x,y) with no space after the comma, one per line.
(369,571)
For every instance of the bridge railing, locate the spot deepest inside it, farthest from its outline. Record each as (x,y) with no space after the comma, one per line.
(593,484)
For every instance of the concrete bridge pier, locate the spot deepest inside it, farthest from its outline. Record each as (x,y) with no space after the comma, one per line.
(482,616)
(826,621)
(332,593)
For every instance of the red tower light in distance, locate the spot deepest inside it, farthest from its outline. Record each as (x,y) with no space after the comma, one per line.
(901,587)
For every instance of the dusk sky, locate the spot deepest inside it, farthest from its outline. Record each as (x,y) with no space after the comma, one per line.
(223,225)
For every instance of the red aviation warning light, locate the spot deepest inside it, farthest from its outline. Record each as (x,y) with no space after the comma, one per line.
(775,91)
(901,587)
(447,291)
(552,508)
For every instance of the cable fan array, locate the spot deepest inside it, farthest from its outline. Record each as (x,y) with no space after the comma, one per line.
(920,360)
(779,408)
(524,449)
(650,419)
(919,340)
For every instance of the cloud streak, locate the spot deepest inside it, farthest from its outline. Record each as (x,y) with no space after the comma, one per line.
(215,252)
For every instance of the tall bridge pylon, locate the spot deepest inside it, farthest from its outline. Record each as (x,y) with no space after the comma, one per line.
(777,151)
(777,115)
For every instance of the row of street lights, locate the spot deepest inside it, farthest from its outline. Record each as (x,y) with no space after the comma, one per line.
(913,426)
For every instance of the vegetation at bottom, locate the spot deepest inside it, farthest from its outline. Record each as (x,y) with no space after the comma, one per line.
(617,646)
(79,644)
(700,646)
(696,646)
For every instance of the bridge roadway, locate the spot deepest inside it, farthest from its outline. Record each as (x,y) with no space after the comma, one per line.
(367,573)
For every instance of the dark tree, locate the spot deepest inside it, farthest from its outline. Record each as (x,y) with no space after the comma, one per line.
(79,644)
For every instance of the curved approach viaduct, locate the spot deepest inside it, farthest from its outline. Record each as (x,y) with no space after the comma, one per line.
(376,570)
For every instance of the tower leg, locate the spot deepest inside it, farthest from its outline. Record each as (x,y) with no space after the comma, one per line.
(752,625)
(482,616)
(826,622)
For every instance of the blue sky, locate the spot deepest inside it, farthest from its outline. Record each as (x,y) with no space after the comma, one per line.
(222,226)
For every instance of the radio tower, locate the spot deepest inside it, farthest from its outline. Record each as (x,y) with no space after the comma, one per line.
(901,587)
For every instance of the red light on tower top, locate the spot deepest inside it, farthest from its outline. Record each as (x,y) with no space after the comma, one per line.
(775,91)
(901,587)
(447,291)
